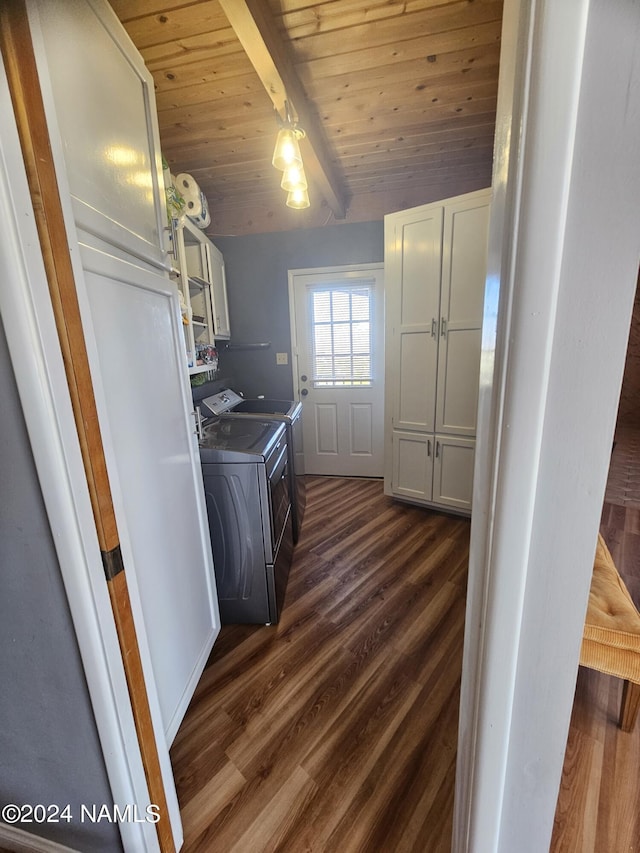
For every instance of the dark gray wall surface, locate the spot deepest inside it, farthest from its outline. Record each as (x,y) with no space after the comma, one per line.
(257,284)
(49,748)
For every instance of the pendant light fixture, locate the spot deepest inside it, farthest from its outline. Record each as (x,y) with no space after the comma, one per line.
(288,160)
(298,199)
(287,150)
(294,178)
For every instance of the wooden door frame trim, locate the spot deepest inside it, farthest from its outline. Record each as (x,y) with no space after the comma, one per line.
(28,107)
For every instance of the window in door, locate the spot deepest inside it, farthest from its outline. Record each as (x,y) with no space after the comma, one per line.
(341,335)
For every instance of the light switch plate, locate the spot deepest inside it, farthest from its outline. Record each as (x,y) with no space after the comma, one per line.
(282,358)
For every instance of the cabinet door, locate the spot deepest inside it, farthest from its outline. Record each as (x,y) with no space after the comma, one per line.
(412,465)
(415,281)
(218,281)
(105,115)
(196,257)
(194,281)
(463,277)
(453,471)
(135,328)
(202,318)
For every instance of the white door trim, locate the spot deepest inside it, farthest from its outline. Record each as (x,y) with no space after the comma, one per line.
(563,228)
(40,376)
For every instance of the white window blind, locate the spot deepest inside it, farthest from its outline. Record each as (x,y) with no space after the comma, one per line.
(341,335)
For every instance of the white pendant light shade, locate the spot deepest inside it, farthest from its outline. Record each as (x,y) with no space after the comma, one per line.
(287,150)
(298,198)
(294,178)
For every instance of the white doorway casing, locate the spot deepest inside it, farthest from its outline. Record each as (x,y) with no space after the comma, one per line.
(563,264)
(343,427)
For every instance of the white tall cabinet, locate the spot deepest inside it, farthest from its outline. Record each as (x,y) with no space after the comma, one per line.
(435,267)
(100,108)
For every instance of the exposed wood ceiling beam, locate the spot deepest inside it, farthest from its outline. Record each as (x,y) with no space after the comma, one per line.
(269,56)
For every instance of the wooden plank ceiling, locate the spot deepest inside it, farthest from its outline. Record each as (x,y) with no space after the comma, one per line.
(399,99)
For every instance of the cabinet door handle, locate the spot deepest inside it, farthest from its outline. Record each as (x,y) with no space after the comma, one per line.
(428,448)
(198,419)
(434,327)
(437,449)
(173,234)
(443,327)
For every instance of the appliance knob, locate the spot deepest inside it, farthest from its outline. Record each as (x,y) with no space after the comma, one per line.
(304,392)
(303,377)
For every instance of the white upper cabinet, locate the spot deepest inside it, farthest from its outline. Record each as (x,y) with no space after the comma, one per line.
(417,262)
(435,267)
(199,270)
(107,122)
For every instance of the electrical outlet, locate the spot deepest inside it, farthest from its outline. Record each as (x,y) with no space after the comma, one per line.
(282,358)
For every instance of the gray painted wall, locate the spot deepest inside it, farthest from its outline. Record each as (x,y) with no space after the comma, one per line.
(49,747)
(257,284)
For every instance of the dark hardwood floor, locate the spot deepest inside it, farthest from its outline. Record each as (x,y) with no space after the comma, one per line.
(597,809)
(336,729)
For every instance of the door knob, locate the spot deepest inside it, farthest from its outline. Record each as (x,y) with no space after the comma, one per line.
(304,392)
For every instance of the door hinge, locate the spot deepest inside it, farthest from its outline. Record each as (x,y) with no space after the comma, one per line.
(112,562)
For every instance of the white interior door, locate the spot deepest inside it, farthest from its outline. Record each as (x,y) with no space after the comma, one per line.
(338,363)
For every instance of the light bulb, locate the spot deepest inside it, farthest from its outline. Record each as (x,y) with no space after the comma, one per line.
(294,178)
(287,150)
(298,198)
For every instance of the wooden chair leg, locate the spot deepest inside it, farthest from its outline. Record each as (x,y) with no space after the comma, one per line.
(630,705)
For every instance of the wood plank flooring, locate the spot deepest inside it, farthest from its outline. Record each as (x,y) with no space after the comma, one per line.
(336,729)
(597,809)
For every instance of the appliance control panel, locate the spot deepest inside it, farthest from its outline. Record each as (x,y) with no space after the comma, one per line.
(221,402)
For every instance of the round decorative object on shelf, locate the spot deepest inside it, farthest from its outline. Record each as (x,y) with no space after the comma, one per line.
(203,220)
(188,187)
